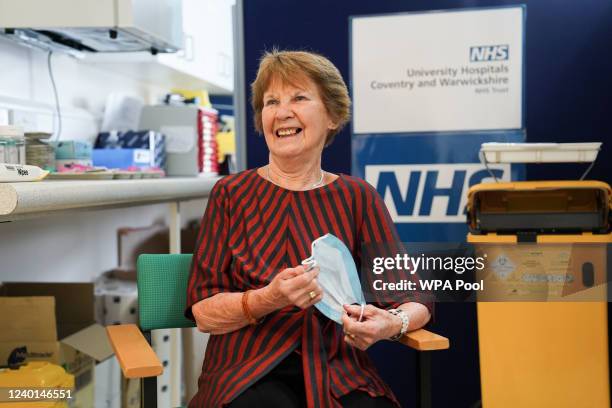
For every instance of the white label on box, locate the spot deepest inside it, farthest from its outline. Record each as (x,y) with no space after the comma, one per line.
(142,156)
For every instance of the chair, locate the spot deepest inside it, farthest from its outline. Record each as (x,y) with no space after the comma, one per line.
(162,293)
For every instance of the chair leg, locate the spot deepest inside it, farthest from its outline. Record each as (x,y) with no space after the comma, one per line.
(424,379)
(148,385)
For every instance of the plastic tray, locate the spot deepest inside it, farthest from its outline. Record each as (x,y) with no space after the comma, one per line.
(540,152)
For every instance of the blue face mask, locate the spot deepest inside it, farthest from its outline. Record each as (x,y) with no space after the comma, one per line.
(337,277)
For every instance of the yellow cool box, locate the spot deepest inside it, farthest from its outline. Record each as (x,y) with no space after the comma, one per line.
(545,352)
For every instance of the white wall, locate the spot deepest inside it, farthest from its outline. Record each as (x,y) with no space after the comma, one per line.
(80,85)
(75,246)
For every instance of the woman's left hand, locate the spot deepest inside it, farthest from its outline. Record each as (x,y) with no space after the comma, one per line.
(376,324)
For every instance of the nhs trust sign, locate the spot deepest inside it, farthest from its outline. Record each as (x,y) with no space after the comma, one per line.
(489,53)
(429,193)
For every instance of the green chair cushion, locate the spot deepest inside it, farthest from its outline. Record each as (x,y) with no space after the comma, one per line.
(162,290)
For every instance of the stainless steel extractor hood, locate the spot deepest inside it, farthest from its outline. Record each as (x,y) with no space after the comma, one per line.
(94,25)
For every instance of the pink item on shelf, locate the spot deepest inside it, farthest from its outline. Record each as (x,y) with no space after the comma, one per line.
(74,168)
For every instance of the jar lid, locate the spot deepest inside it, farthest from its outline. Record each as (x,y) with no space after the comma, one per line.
(11,131)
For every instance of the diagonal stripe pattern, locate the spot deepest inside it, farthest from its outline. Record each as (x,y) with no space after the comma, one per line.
(253,229)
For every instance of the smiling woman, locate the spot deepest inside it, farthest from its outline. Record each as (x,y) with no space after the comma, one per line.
(292,68)
(295,121)
(300,103)
(269,346)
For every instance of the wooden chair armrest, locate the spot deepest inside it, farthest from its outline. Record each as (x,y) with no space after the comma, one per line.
(136,357)
(424,340)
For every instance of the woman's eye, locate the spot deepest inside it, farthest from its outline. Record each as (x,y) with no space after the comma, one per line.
(300,98)
(270,102)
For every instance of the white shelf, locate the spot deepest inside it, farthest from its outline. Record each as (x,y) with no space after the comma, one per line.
(28,199)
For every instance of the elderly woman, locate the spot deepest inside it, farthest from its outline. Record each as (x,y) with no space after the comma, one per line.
(269,346)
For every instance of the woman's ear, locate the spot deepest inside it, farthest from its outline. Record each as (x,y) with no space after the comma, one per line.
(331,125)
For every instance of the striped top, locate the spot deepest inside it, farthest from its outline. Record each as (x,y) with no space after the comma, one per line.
(251,230)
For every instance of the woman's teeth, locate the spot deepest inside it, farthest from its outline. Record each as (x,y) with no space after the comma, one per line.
(288,132)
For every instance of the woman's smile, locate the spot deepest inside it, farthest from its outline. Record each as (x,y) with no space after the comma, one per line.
(288,131)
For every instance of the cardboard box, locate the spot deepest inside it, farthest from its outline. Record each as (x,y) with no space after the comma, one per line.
(154,239)
(130,393)
(108,384)
(183,136)
(53,322)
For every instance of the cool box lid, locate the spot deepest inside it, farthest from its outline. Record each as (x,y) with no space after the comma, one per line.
(540,206)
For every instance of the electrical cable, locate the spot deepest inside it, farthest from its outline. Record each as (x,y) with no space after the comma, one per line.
(55,94)
(587,170)
(483,159)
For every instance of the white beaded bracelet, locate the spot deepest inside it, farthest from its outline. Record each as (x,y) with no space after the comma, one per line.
(405,322)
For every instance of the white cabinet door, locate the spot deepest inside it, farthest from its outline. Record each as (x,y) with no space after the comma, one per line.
(208,43)
(213,40)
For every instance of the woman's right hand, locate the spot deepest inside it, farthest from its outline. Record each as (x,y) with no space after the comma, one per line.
(294,286)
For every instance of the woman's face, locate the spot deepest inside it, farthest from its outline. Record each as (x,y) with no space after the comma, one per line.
(294,119)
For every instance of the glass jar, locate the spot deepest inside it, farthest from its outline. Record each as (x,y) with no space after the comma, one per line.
(11,153)
(13,143)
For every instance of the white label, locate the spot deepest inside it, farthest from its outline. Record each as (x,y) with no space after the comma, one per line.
(142,156)
(446,71)
(503,267)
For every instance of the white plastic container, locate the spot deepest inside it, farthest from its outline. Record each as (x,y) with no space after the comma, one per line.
(540,152)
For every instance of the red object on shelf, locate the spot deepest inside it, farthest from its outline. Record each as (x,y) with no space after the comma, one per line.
(207,141)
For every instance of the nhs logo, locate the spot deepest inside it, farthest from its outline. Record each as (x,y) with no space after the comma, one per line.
(489,53)
(429,192)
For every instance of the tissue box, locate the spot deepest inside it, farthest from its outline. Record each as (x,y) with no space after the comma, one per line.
(150,140)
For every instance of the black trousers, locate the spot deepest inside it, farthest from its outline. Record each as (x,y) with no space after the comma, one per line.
(283,387)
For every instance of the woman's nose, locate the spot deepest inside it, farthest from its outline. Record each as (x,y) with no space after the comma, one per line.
(284,111)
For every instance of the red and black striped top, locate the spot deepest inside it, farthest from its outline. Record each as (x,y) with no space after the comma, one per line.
(253,229)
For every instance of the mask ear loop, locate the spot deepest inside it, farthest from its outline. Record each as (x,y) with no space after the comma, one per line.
(362,309)
(310,262)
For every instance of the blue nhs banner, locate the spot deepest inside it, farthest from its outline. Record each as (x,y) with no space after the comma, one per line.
(429,193)
(424,178)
